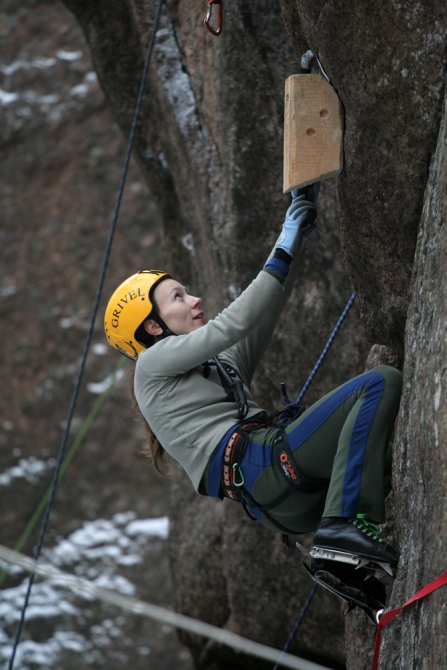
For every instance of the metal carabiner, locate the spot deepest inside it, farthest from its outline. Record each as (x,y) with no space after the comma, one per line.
(237,468)
(379,613)
(219,17)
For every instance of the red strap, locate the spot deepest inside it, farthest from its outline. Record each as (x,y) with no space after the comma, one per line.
(389,616)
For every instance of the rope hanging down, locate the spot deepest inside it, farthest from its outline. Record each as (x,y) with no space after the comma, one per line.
(40,508)
(295,405)
(326,348)
(90,331)
(292,406)
(296,626)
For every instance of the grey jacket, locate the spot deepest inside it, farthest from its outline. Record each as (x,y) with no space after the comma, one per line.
(186,411)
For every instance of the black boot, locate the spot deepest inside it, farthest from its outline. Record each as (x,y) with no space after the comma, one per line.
(357,536)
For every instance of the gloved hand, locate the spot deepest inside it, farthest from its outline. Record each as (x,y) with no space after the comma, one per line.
(310,192)
(299,223)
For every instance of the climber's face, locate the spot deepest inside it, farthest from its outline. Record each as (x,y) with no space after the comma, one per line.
(180,311)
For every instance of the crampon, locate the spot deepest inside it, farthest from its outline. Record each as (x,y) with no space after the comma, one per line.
(371,563)
(356,586)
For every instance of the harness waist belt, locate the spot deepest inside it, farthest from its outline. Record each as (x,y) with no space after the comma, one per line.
(227,472)
(232,475)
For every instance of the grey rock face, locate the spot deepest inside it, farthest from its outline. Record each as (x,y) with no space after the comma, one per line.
(387,64)
(420,467)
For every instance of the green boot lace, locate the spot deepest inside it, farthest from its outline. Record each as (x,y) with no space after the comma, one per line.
(366,526)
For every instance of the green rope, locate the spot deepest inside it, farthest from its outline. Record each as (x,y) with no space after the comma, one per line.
(66,462)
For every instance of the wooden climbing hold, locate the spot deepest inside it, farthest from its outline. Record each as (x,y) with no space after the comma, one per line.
(313,131)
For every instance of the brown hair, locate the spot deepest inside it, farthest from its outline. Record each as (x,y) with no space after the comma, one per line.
(152,448)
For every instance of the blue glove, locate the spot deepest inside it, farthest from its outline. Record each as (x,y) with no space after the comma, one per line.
(310,192)
(299,223)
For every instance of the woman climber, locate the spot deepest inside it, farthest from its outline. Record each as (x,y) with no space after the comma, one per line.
(326,468)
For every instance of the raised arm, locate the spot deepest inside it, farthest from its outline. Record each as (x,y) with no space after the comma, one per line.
(249,320)
(283,263)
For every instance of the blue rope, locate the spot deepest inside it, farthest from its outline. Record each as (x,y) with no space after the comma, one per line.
(295,405)
(297,625)
(291,406)
(90,331)
(326,349)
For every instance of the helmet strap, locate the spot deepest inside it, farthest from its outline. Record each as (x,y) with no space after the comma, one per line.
(161,323)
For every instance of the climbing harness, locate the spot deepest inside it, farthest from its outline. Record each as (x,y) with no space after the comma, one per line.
(90,331)
(296,479)
(233,387)
(233,476)
(231,384)
(233,455)
(214,31)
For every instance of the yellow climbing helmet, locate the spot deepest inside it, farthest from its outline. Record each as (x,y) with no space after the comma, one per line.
(130,305)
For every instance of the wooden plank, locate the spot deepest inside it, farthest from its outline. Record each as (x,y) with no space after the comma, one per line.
(313,131)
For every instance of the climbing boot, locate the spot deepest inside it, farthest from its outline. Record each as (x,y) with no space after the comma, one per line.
(354,541)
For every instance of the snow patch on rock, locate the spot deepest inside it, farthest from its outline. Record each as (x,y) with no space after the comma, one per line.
(30,469)
(97,550)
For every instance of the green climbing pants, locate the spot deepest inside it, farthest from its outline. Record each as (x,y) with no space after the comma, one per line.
(345,436)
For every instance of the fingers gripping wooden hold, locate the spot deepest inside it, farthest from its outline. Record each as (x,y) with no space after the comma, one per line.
(313,131)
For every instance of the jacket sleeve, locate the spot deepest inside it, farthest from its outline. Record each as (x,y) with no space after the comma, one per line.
(176,355)
(245,355)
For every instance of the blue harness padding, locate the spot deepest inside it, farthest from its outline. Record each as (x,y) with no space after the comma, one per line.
(260,456)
